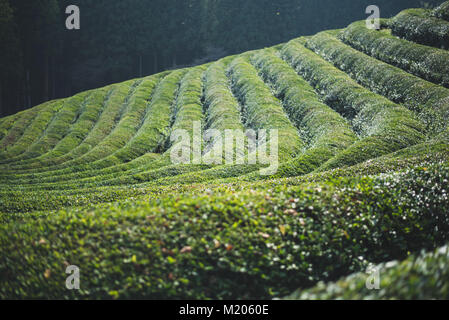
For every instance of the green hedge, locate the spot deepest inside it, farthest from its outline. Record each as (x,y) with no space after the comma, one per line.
(58,128)
(423,61)
(103,155)
(137,108)
(419,277)
(419,26)
(91,108)
(326,132)
(34,131)
(7,123)
(384,126)
(19,127)
(432,151)
(428,100)
(103,127)
(442,12)
(221,107)
(261,110)
(160,106)
(248,244)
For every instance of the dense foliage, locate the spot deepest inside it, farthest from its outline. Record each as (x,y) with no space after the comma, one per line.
(363,177)
(250,244)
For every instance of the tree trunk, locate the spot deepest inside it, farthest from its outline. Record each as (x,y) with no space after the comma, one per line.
(53,77)
(46,78)
(163,62)
(28,90)
(174,61)
(2,112)
(19,93)
(140,65)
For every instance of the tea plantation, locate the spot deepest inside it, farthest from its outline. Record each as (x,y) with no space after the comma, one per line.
(364,176)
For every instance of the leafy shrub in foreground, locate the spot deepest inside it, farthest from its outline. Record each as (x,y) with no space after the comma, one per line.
(247,244)
(421,277)
(140,227)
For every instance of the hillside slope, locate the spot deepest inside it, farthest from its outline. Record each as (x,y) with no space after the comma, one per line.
(363,129)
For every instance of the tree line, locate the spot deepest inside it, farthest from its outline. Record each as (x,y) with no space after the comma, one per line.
(41,60)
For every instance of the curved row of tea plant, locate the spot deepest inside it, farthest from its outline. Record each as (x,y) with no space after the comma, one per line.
(130,120)
(19,126)
(326,132)
(432,151)
(33,131)
(56,130)
(107,122)
(427,62)
(124,162)
(261,110)
(138,102)
(86,119)
(418,25)
(363,174)
(383,126)
(7,122)
(429,101)
(442,12)
(221,107)
(249,244)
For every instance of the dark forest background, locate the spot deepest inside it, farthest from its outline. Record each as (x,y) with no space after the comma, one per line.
(121,39)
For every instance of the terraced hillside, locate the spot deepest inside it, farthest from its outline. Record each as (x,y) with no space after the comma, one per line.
(363,178)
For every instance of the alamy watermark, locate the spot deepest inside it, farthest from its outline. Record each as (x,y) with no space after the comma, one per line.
(73,280)
(73,21)
(373,21)
(373,280)
(228,147)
